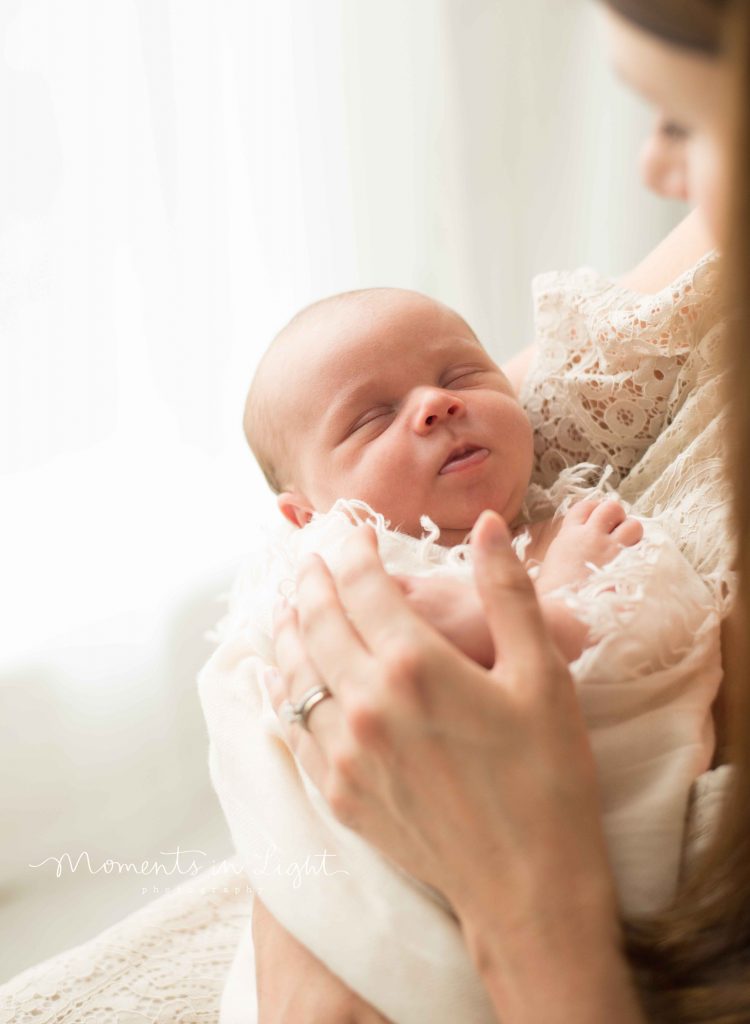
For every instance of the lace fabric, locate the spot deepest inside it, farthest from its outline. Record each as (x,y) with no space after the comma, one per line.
(164,964)
(614,366)
(635,383)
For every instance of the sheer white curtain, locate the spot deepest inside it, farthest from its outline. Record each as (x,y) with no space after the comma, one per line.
(177,177)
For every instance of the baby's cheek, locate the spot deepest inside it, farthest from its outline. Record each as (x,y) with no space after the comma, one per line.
(357,480)
(520,437)
(391,483)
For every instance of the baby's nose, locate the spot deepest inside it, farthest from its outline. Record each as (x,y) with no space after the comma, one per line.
(433,406)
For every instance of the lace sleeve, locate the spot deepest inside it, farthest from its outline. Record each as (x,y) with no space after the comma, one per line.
(635,383)
(614,367)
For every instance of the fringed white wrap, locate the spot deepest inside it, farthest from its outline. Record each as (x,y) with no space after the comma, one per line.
(646,689)
(631,385)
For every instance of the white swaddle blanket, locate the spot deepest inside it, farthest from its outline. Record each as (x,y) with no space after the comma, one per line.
(623,380)
(646,688)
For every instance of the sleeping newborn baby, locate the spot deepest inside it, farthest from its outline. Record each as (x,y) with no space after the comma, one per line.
(387,396)
(383,405)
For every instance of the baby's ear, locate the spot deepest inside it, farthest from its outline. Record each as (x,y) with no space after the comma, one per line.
(295,507)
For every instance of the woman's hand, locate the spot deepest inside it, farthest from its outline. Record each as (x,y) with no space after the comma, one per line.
(454,609)
(295,986)
(421,747)
(480,783)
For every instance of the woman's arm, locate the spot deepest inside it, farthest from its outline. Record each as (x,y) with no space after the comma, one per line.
(555,975)
(479,783)
(679,251)
(294,986)
(518,366)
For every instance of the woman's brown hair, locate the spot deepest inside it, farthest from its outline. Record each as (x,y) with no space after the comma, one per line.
(693,961)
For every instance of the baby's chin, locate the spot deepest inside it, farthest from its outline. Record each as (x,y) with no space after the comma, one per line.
(451,535)
(451,538)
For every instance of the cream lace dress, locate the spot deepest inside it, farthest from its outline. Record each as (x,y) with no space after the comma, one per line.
(621,380)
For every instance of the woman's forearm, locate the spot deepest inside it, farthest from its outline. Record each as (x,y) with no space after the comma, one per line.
(567,973)
(293,985)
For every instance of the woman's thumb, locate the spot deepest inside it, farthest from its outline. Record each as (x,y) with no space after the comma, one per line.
(510,604)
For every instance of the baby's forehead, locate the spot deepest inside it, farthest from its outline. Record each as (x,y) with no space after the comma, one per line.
(356,338)
(381,318)
(384,307)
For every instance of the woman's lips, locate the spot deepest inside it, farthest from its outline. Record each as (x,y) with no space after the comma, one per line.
(458,463)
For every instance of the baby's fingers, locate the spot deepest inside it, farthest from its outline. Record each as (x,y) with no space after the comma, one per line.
(628,532)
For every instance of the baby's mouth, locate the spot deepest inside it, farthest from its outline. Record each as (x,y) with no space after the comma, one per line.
(464,457)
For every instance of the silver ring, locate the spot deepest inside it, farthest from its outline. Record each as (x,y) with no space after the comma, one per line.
(298,714)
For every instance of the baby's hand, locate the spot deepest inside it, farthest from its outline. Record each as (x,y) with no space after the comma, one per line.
(454,609)
(592,533)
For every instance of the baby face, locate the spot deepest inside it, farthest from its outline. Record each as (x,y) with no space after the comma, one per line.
(394,401)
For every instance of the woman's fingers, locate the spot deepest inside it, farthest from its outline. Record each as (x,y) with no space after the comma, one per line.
(513,614)
(374,601)
(331,642)
(404,582)
(296,676)
(308,752)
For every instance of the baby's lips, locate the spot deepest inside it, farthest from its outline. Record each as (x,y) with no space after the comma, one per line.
(464,458)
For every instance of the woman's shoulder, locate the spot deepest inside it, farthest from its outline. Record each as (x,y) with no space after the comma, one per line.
(686,246)
(702,273)
(614,366)
(674,284)
(583,310)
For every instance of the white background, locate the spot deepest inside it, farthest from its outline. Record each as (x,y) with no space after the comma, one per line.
(177,177)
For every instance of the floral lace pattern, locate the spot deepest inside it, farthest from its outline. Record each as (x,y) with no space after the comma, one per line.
(635,383)
(164,964)
(611,371)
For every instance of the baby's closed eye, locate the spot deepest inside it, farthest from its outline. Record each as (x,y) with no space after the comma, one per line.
(373,421)
(463,377)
